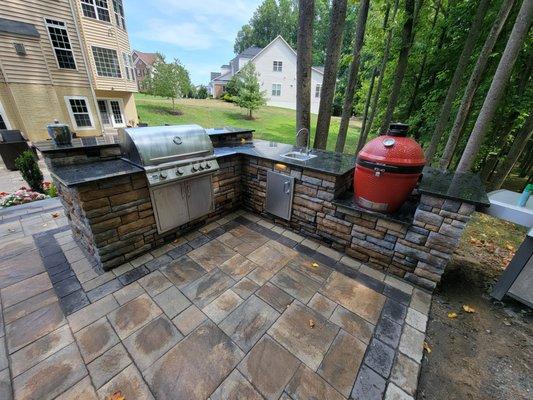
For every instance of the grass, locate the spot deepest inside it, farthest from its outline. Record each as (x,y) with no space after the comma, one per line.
(270,123)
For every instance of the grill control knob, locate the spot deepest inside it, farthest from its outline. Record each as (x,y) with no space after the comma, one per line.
(155,177)
(201,166)
(207,165)
(179,171)
(163,175)
(194,168)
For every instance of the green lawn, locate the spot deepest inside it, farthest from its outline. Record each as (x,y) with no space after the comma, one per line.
(270,123)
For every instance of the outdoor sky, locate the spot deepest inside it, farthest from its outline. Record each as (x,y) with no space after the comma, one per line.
(200,33)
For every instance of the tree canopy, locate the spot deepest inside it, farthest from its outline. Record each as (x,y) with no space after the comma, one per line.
(170,80)
(249,95)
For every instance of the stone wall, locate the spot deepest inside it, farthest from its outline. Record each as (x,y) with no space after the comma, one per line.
(417,251)
(114,220)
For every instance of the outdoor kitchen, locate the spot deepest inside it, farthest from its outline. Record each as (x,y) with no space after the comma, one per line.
(129,195)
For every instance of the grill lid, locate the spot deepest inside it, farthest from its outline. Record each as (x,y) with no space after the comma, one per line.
(163,144)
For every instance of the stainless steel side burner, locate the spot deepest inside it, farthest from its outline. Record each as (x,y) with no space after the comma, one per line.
(179,163)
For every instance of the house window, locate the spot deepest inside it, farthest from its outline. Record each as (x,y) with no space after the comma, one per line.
(278,66)
(318,90)
(276,89)
(111,112)
(79,112)
(128,65)
(119,14)
(4,123)
(96,9)
(106,61)
(58,34)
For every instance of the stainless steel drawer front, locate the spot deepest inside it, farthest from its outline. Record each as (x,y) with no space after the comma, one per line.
(280,192)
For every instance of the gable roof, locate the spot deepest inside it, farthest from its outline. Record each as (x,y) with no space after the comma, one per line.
(250,52)
(280,38)
(147,58)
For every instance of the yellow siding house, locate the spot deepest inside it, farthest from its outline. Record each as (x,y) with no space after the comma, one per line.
(68,60)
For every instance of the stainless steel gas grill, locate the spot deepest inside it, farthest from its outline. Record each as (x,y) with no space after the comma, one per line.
(179,165)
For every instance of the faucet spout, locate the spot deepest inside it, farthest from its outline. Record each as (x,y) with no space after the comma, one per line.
(307,139)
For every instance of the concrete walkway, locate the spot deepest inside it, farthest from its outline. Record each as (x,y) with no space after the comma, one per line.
(11,181)
(239,309)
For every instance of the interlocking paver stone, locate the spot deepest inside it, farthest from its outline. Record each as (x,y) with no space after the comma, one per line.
(34,326)
(5,385)
(154,283)
(219,308)
(28,306)
(310,268)
(52,376)
(379,357)
(395,393)
(308,385)
(195,367)
(83,390)
(269,367)
(172,301)
(248,322)
(394,311)
(245,288)
(130,383)
(342,361)
(25,289)
(128,293)
(261,275)
(274,296)
(212,254)
(236,387)
(91,313)
(416,319)
(354,296)
(204,290)
(95,339)
(42,348)
(269,257)
(353,324)
(293,330)
(108,365)
(296,284)
(412,342)
(131,316)
(405,374)
(388,332)
(368,385)
(189,319)
(183,271)
(238,266)
(322,305)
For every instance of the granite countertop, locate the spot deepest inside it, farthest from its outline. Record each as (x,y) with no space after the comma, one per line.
(89,142)
(227,130)
(459,186)
(327,162)
(71,175)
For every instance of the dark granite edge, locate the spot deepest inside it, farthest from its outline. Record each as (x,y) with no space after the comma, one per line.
(222,133)
(70,183)
(46,147)
(478,203)
(405,215)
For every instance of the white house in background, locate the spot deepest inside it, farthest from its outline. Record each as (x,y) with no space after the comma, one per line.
(276,67)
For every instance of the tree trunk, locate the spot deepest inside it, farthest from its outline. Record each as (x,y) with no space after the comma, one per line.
(423,63)
(333,50)
(497,87)
(519,144)
(352,75)
(362,138)
(474,82)
(401,66)
(384,60)
(462,64)
(303,69)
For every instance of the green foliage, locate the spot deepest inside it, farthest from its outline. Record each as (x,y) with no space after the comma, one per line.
(202,92)
(30,171)
(232,87)
(170,80)
(249,95)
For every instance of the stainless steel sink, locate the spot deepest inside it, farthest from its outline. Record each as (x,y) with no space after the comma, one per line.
(297,155)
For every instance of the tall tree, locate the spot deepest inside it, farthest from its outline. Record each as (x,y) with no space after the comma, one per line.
(497,87)
(362,140)
(352,75)
(473,83)
(446,108)
(249,96)
(401,66)
(519,144)
(303,68)
(333,49)
(170,80)
(388,41)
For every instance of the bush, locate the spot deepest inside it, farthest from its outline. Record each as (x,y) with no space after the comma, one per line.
(50,189)
(228,97)
(30,171)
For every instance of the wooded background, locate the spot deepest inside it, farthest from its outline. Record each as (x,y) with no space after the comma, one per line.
(421,62)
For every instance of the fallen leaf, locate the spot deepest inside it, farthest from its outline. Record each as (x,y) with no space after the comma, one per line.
(468,309)
(116,396)
(11,230)
(506,323)
(311,323)
(452,315)
(509,247)
(427,348)
(314,265)
(55,215)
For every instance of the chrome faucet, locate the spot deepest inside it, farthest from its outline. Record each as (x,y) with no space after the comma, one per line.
(308,139)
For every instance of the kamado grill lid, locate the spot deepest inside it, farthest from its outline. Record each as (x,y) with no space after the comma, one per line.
(393,148)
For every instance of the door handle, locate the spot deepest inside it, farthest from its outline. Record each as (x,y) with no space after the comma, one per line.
(287,187)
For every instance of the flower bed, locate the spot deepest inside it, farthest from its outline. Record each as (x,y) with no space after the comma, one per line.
(25,195)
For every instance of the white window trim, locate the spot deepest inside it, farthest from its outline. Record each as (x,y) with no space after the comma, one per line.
(118,58)
(54,49)
(4,116)
(95,7)
(272,90)
(279,66)
(128,66)
(121,17)
(121,105)
(318,85)
(71,113)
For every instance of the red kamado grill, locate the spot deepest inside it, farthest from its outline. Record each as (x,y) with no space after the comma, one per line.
(387,170)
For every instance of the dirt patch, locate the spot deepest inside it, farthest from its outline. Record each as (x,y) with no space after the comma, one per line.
(486,354)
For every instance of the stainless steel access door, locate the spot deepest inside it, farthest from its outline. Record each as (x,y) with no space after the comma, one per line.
(170,206)
(199,196)
(280,191)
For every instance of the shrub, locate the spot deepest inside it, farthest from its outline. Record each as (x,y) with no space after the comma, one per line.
(30,171)
(50,189)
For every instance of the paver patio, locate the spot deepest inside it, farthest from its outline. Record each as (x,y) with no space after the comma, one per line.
(234,310)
